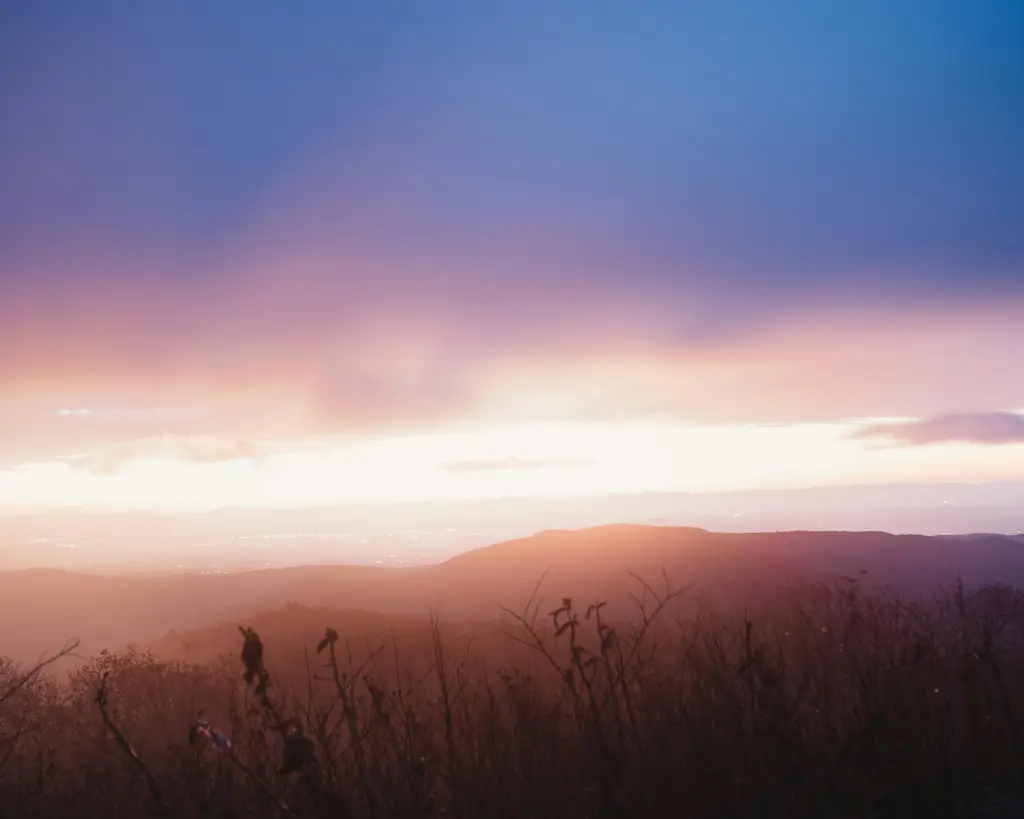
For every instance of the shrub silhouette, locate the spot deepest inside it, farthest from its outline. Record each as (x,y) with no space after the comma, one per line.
(829,702)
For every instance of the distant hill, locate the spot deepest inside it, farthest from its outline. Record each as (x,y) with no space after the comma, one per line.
(40,609)
(721,563)
(982,535)
(427,532)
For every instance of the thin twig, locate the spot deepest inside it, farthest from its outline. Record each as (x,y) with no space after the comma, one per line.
(122,741)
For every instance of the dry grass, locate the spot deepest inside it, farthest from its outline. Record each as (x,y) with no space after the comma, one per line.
(829,702)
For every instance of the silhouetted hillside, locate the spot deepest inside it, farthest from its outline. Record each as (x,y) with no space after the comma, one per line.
(107,612)
(829,701)
(721,565)
(48,606)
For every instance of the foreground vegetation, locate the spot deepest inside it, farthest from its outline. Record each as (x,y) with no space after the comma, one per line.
(831,702)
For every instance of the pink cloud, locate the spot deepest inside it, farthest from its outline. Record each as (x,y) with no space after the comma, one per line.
(986,428)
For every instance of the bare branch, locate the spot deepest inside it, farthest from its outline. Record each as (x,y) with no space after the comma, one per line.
(36,670)
(122,741)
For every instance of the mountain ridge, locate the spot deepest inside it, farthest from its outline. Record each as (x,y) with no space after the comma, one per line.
(108,611)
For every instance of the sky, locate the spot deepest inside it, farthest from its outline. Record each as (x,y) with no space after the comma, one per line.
(267,254)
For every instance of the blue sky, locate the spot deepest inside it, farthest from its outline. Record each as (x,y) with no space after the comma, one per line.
(781,143)
(215,204)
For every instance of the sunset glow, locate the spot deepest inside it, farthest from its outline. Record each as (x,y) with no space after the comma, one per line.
(525,461)
(403,266)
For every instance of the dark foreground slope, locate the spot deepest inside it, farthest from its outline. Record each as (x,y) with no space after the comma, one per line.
(40,609)
(831,701)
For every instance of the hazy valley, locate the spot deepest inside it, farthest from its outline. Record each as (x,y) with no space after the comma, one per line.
(111,610)
(424,533)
